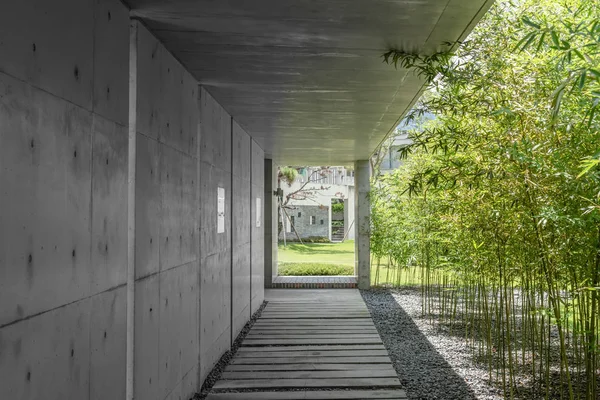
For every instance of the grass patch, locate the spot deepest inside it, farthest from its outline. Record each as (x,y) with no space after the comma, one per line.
(314,269)
(322,253)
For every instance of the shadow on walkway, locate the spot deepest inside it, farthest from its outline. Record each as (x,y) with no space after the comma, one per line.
(423,372)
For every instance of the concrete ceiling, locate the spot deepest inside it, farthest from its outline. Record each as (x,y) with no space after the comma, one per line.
(305,77)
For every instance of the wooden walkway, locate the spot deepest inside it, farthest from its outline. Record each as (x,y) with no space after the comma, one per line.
(311,344)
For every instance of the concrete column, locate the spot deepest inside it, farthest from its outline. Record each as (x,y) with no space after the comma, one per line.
(362,223)
(270,209)
(349,204)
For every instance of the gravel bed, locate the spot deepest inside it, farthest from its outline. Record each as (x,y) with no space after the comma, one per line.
(218,369)
(431,364)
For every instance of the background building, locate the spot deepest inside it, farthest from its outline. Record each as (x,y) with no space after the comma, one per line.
(310,209)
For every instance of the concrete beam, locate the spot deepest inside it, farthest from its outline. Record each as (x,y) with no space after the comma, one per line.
(362,223)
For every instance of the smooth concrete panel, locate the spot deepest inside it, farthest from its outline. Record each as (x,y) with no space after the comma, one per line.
(187,387)
(215,309)
(169,103)
(258,277)
(240,152)
(215,248)
(212,178)
(257,227)
(349,214)
(270,219)
(215,141)
(109,213)
(190,212)
(111,60)
(45,148)
(179,104)
(147,207)
(190,114)
(178,336)
(150,118)
(108,331)
(171,189)
(53,366)
(167,96)
(240,213)
(45,45)
(240,313)
(147,328)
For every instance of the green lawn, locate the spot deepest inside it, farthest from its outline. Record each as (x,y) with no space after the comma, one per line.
(337,259)
(316,258)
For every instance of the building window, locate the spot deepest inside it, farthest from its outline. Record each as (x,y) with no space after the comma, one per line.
(322,222)
(313,220)
(288,224)
(299,214)
(293,219)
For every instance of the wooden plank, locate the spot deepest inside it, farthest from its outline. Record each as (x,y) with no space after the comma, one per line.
(314,322)
(332,347)
(313,395)
(306,367)
(329,328)
(311,360)
(304,332)
(329,353)
(313,336)
(306,383)
(283,342)
(377,373)
(311,344)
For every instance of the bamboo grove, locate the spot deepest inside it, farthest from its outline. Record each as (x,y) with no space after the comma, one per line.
(495,211)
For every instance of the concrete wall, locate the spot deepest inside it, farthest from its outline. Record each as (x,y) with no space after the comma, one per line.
(63,215)
(63,211)
(270,222)
(257,227)
(349,220)
(167,221)
(302,215)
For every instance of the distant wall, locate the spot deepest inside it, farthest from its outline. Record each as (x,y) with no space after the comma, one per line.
(301,215)
(63,211)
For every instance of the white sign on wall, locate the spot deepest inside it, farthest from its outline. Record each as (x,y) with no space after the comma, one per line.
(258,212)
(220,210)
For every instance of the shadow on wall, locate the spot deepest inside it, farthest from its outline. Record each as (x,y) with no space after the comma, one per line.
(423,371)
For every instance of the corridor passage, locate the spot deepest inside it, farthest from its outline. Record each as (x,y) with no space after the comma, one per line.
(311,344)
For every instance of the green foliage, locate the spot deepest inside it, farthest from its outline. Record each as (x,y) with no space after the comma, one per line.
(495,210)
(288,175)
(337,207)
(314,269)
